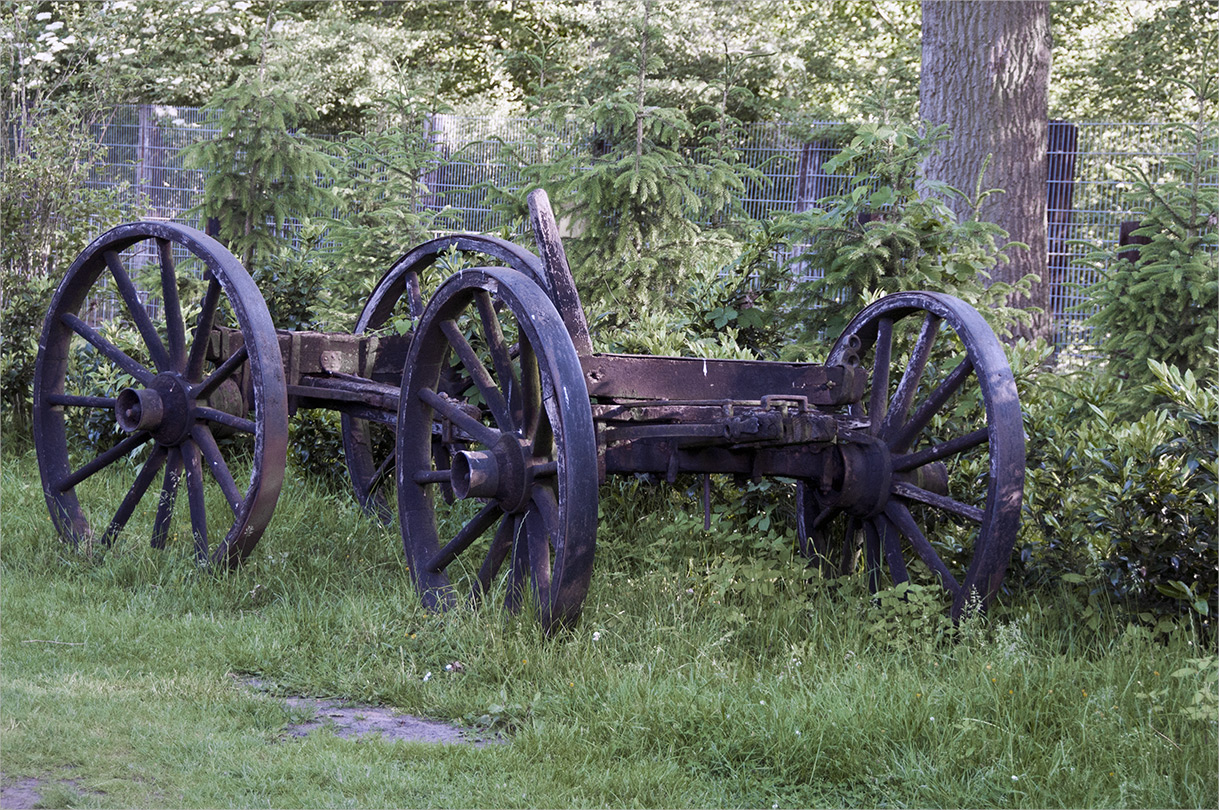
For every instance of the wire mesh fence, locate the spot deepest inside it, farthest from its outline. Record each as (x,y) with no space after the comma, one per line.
(1088,192)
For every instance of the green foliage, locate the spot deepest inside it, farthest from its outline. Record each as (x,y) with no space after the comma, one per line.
(1129,506)
(381,186)
(24,301)
(724,310)
(47,212)
(1162,306)
(1204,674)
(260,173)
(636,203)
(883,234)
(908,617)
(1110,60)
(316,447)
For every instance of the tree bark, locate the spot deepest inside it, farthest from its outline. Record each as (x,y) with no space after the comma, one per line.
(985,73)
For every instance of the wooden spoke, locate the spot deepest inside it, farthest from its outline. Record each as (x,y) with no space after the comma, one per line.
(850,547)
(203,330)
(452,411)
(501,544)
(113,353)
(879,399)
(941,502)
(74,401)
(147,472)
(904,521)
(500,355)
(470,532)
(225,370)
(175,327)
(518,576)
(531,394)
(890,541)
(381,475)
(899,408)
(139,315)
(941,451)
(165,503)
(541,527)
(871,545)
(432,477)
(904,436)
(195,495)
(545,469)
(226,419)
(103,460)
(478,374)
(219,469)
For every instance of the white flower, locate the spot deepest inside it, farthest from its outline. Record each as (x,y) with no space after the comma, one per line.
(55,26)
(1015,778)
(42,15)
(596,635)
(427,677)
(44,57)
(797,732)
(242,6)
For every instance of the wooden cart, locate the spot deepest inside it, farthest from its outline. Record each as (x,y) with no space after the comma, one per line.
(493,421)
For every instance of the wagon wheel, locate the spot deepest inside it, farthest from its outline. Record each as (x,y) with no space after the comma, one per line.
(524,456)
(368,446)
(933,471)
(172,406)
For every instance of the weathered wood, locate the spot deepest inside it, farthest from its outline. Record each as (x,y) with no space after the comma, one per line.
(554,259)
(619,377)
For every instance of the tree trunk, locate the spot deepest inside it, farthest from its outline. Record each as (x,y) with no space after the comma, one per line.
(985,73)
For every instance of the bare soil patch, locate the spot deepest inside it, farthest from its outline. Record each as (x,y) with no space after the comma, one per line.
(26,792)
(352,720)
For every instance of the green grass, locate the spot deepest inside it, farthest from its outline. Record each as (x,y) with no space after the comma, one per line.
(664,695)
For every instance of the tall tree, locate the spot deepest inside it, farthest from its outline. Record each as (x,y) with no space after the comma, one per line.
(985,74)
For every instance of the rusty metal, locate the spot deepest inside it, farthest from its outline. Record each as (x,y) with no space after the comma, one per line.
(490,421)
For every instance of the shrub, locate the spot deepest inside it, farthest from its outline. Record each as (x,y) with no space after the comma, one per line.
(45,215)
(883,234)
(1162,306)
(1128,505)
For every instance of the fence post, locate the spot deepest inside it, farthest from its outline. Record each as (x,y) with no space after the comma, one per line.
(1125,236)
(143,153)
(812,183)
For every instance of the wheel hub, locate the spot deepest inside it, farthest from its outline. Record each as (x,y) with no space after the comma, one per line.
(165,410)
(501,473)
(867,478)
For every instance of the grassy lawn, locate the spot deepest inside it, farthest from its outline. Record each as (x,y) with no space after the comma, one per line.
(124,676)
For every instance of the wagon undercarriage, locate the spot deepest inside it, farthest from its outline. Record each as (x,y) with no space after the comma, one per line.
(493,422)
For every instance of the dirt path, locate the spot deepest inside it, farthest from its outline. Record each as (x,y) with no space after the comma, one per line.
(344,719)
(347,720)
